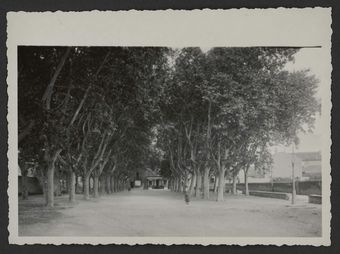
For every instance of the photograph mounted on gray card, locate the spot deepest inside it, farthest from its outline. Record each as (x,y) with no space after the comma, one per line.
(123,141)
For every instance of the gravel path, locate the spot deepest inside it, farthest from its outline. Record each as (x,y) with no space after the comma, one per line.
(163,213)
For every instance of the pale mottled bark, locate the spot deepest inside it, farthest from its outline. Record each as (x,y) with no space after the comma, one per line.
(246,182)
(87,187)
(234,185)
(206,183)
(192,184)
(50,186)
(72,186)
(198,184)
(96,186)
(221,183)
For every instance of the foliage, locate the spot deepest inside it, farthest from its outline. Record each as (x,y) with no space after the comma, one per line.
(122,109)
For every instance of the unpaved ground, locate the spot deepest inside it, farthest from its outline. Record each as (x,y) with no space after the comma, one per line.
(163,213)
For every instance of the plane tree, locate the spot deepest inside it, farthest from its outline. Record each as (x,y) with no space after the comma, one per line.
(88,109)
(71,100)
(181,119)
(240,100)
(245,89)
(39,68)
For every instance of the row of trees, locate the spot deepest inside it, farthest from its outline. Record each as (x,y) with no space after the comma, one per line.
(88,111)
(104,112)
(223,109)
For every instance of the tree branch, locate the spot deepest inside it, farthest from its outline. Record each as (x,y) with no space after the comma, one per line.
(49,90)
(26,131)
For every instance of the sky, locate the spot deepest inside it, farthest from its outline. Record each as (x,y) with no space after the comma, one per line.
(311,59)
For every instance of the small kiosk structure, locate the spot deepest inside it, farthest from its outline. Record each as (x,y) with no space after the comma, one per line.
(153,180)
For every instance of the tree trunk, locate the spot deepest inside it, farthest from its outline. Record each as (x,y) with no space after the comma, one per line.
(57,185)
(220,189)
(83,184)
(192,184)
(112,184)
(50,186)
(24,187)
(108,183)
(175,184)
(234,185)
(206,183)
(72,187)
(116,184)
(76,184)
(43,183)
(216,183)
(45,191)
(96,186)
(246,191)
(49,90)
(23,134)
(66,183)
(198,184)
(171,187)
(179,185)
(87,187)
(91,184)
(102,184)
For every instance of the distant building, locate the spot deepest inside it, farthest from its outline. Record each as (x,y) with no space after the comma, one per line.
(254,176)
(307,166)
(311,165)
(150,179)
(282,166)
(154,180)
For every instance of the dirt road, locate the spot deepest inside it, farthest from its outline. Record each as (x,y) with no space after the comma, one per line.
(163,213)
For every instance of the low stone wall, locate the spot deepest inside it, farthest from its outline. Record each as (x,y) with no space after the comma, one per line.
(315,199)
(267,194)
(302,188)
(309,187)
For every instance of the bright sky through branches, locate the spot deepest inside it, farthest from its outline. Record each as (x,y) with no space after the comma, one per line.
(311,59)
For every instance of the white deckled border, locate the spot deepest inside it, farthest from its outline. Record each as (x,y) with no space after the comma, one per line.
(204,28)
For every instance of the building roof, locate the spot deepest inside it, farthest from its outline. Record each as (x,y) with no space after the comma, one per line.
(309,156)
(154,177)
(312,169)
(150,173)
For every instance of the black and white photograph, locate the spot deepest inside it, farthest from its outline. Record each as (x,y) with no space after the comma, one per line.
(167,142)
